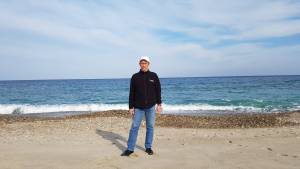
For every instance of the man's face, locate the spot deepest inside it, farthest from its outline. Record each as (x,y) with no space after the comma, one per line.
(144,65)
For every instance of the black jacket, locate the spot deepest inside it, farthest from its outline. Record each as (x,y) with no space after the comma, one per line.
(145,90)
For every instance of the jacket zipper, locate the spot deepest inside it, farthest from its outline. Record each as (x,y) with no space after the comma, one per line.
(145,89)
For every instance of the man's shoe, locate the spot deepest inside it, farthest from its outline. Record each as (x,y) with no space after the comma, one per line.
(126,153)
(149,151)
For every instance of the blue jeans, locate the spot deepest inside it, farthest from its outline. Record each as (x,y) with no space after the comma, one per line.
(137,118)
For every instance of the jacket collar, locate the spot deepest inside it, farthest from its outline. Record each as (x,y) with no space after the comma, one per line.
(144,72)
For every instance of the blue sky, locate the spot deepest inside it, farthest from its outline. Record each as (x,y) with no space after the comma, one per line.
(104,39)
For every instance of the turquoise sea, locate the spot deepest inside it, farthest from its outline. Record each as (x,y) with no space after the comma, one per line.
(200,95)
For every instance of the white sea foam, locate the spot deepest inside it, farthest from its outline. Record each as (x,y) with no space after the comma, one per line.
(167,108)
(195,107)
(26,108)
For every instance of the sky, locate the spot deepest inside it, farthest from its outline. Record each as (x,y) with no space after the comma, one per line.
(79,39)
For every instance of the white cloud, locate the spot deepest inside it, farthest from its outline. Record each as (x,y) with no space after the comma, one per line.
(96,36)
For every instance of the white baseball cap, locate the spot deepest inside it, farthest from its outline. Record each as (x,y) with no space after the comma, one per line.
(146,58)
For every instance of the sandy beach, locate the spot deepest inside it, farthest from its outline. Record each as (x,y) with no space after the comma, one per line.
(97,140)
(224,76)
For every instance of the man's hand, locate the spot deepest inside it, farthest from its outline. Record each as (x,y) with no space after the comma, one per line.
(158,109)
(131,111)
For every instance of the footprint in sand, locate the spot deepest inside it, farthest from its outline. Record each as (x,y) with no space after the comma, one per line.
(286,155)
(282,154)
(133,155)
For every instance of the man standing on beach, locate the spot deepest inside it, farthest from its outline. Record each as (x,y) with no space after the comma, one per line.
(144,95)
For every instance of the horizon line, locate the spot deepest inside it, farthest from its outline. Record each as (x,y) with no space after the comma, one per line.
(170,77)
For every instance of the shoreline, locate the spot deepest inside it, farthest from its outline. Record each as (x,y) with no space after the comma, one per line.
(236,120)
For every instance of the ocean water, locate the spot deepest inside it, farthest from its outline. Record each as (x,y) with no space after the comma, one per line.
(200,95)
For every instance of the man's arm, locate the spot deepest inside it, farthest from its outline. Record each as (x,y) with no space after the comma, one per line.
(131,93)
(158,91)
(158,95)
